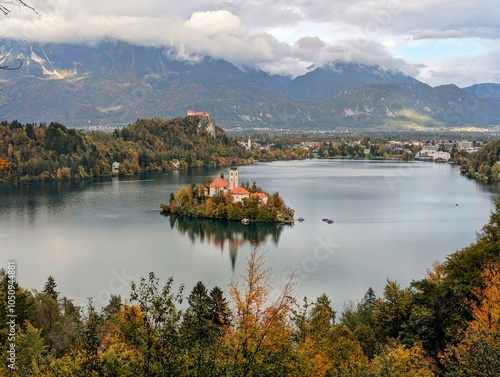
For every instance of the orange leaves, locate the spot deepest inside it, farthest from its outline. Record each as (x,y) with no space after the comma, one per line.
(262,330)
(486,313)
(4,165)
(479,351)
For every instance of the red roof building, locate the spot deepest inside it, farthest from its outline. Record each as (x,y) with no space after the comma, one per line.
(239,193)
(217,186)
(261,196)
(219,183)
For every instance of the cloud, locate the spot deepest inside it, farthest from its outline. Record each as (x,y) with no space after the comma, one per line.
(310,43)
(438,34)
(464,70)
(216,23)
(279,36)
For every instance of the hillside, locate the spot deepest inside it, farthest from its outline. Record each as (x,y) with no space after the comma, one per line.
(483,165)
(323,83)
(41,152)
(112,84)
(486,90)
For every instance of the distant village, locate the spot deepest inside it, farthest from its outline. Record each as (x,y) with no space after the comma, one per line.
(431,150)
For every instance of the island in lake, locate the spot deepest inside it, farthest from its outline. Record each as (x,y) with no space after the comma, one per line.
(220,199)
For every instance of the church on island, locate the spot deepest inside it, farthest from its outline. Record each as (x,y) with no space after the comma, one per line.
(238,193)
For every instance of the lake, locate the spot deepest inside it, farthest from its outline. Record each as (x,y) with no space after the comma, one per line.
(391,220)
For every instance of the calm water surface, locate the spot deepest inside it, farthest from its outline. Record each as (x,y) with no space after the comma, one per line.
(391,220)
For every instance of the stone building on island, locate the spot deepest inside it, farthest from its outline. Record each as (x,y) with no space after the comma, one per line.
(238,193)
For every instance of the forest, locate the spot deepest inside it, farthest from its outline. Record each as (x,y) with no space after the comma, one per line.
(483,165)
(50,152)
(39,152)
(445,324)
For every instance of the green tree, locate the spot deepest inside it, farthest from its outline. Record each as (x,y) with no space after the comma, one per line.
(219,310)
(158,336)
(361,321)
(198,333)
(88,343)
(50,288)
(434,316)
(113,307)
(31,352)
(392,312)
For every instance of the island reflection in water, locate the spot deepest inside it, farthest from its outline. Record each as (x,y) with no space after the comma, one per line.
(220,233)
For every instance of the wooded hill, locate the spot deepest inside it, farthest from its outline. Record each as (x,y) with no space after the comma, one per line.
(41,152)
(483,165)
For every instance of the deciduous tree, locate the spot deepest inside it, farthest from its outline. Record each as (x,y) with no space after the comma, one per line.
(259,342)
(478,354)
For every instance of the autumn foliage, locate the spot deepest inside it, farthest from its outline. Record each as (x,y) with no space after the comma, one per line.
(4,165)
(442,325)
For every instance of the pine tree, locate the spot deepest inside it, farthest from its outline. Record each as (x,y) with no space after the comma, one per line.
(50,288)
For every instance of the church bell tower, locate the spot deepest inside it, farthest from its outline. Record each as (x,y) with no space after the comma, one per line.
(233,177)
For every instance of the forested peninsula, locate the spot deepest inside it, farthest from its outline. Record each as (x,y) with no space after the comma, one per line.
(446,324)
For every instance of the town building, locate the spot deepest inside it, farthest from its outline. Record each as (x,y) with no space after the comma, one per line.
(431,153)
(464,145)
(175,163)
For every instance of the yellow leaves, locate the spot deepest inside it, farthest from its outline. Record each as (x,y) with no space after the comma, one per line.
(436,273)
(262,328)
(64,173)
(479,351)
(311,361)
(486,313)
(4,165)
(396,360)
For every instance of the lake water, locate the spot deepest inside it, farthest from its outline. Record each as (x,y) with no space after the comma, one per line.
(391,220)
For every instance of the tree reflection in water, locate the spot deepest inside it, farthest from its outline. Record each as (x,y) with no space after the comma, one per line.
(222,232)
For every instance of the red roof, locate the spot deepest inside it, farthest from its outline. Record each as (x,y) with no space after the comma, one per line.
(260,195)
(239,191)
(219,182)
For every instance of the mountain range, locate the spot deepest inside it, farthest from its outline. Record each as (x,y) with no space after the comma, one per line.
(113,83)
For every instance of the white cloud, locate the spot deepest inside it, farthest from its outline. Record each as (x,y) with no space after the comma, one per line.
(215,23)
(280,36)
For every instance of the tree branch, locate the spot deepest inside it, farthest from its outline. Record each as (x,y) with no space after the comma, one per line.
(5,9)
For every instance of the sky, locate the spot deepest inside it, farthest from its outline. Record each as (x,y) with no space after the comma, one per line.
(436,41)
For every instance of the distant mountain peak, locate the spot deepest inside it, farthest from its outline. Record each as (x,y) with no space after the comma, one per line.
(113,83)
(332,78)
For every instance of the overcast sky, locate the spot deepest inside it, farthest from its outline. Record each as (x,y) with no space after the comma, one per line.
(436,41)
